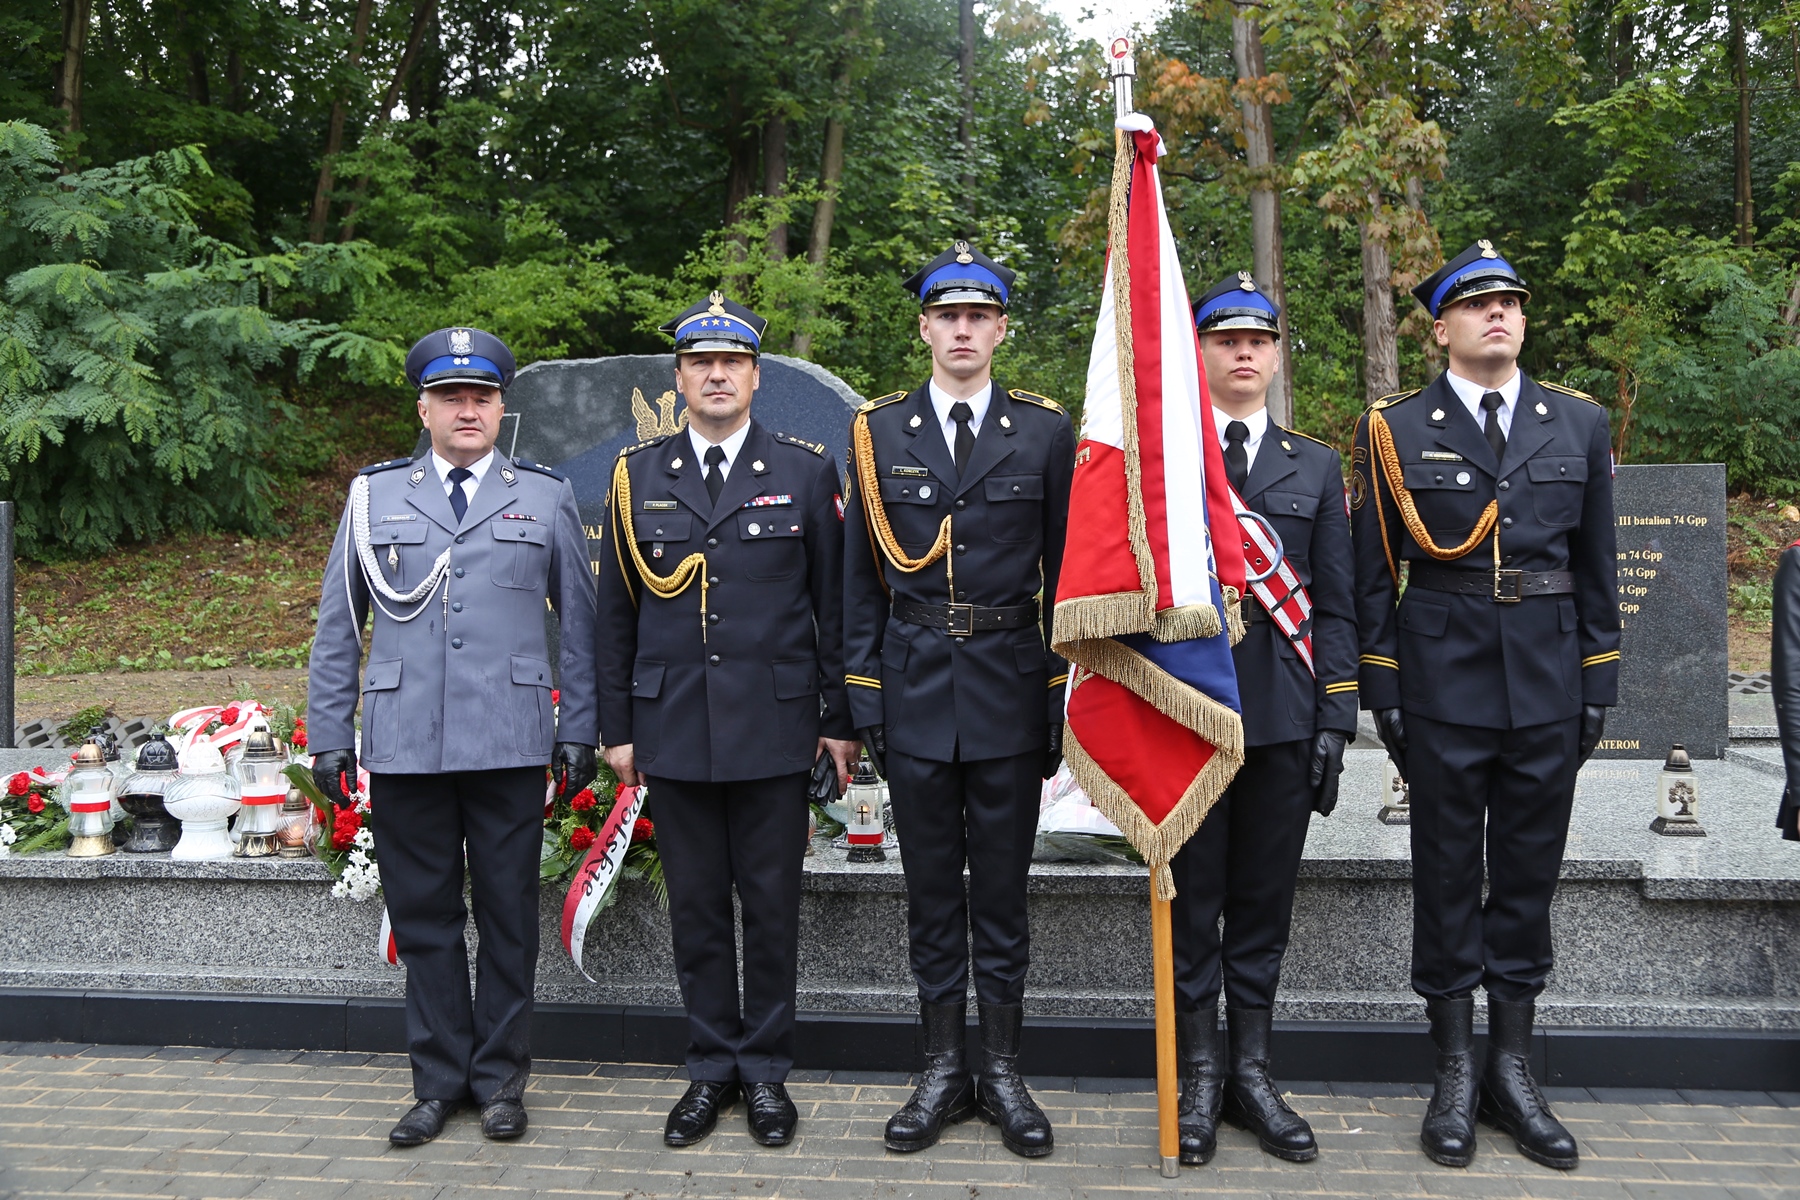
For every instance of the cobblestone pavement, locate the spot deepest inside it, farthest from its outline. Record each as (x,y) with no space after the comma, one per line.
(175,1122)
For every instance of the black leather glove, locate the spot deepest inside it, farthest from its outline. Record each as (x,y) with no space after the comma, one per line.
(1593,728)
(1392,730)
(330,771)
(822,788)
(1053,753)
(874,740)
(573,767)
(1327,765)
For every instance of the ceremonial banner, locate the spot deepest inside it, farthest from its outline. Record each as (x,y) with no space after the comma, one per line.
(1147,604)
(591,889)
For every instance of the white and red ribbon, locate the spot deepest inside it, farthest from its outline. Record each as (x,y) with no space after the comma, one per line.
(1281,594)
(593,884)
(386,948)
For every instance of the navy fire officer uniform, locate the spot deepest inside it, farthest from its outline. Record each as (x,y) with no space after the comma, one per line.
(458,725)
(1489,679)
(949,586)
(1242,863)
(721,664)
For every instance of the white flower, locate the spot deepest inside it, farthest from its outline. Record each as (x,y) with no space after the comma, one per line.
(362,804)
(358,859)
(340,889)
(365,838)
(8,835)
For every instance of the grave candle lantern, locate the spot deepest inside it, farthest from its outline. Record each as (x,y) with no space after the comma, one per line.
(866,830)
(263,788)
(142,793)
(1677,799)
(202,798)
(88,792)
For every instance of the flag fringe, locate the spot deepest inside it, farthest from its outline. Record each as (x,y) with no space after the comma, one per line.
(1193,708)
(1137,522)
(1157,843)
(1115,614)
(1187,622)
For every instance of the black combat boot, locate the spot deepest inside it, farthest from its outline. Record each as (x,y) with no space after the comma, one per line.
(1202,1076)
(1510,1100)
(1448,1133)
(1000,1092)
(945,1094)
(1252,1101)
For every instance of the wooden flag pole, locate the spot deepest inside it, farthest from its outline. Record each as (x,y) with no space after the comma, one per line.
(1162,949)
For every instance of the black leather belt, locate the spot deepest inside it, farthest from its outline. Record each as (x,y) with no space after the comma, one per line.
(1500,585)
(964,619)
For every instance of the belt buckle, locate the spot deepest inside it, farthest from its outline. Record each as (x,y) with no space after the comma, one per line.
(959,620)
(1509,586)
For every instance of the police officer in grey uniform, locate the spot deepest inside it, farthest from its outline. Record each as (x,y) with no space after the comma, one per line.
(721,683)
(1299,703)
(457,552)
(1489,677)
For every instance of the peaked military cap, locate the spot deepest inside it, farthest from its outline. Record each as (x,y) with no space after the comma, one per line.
(460,356)
(717,324)
(961,275)
(1235,302)
(1476,270)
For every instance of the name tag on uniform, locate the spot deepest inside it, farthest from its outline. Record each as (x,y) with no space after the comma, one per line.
(1439,456)
(910,472)
(660,506)
(768,502)
(517,517)
(399,517)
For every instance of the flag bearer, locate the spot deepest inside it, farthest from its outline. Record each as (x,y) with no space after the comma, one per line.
(959,497)
(1489,679)
(1298,687)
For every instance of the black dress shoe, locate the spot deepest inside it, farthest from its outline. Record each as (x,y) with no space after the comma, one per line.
(1510,1100)
(945,1094)
(1202,1078)
(422,1122)
(502,1120)
(1252,1101)
(772,1114)
(1448,1131)
(695,1114)
(1000,1093)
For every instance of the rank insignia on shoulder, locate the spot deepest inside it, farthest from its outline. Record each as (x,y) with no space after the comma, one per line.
(660,506)
(1439,456)
(878,401)
(768,501)
(910,472)
(1034,398)
(389,465)
(1568,391)
(517,517)
(525,464)
(1393,398)
(791,440)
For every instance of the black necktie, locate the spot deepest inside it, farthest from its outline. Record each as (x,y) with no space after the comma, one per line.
(715,471)
(1237,462)
(962,414)
(459,500)
(1492,401)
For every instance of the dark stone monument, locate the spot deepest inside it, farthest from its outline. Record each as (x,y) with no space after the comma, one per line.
(1673,656)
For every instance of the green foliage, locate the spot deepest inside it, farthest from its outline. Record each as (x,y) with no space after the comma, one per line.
(138,356)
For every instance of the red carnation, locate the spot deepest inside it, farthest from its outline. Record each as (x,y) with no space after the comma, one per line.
(35,805)
(556,695)
(229,716)
(581,839)
(643,831)
(18,785)
(343,828)
(299,738)
(584,800)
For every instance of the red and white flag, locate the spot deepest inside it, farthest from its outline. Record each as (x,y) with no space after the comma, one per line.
(1147,603)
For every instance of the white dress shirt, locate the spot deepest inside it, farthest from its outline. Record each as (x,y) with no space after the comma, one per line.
(1257,423)
(470,486)
(1471,393)
(730,445)
(941,402)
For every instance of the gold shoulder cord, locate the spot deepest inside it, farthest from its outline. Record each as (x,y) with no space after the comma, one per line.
(1381,440)
(686,571)
(876,511)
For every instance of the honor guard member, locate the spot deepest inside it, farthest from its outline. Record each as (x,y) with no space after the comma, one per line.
(961,495)
(1490,677)
(1299,705)
(457,553)
(721,667)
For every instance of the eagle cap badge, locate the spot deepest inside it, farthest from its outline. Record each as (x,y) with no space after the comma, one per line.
(716,302)
(1487,249)
(1246,282)
(461,341)
(962,252)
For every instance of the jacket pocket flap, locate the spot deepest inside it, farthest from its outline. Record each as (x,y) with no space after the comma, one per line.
(534,672)
(406,534)
(755,525)
(1565,615)
(535,532)
(1424,617)
(795,678)
(1028,651)
(911,491)
(1454,476)
(663,527)
(1014,487)
(1288,504)
(646,679)
(382,676)
(1558,468)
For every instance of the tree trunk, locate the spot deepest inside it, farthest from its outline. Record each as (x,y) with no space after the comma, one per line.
(965,127)
(334,133)
(1265,201)
(1381,356)
(199,88)
(1624,71)
(831,176)
(775,172)
(424,13)
(75,14)
(1740,70)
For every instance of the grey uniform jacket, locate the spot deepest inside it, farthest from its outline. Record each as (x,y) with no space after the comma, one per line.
(464,686)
